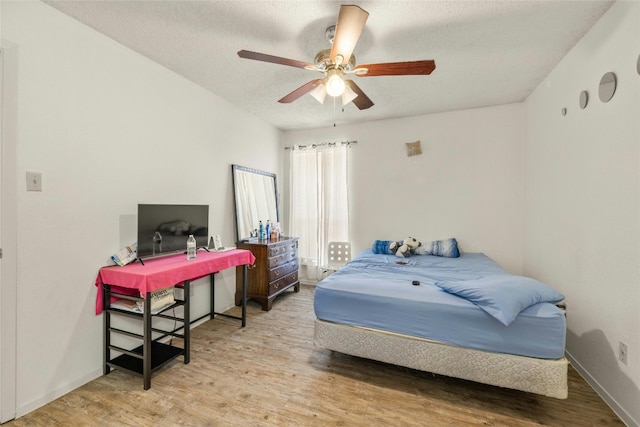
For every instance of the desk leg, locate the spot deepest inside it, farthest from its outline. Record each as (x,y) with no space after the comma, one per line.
(212,306)
(244,295)
(106,338)
(187,321)
(146,344)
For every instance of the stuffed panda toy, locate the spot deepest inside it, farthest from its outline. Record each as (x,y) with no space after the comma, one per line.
(405,248)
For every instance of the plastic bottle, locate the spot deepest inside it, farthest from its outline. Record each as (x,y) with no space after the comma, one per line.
(267,232)
(157,242)
(261,228)
(191,247)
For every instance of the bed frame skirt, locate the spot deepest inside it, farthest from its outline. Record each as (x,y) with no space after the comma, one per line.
(539,376)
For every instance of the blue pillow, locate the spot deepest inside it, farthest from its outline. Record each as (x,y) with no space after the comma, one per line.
(503,296)
(445,248)
(381,247)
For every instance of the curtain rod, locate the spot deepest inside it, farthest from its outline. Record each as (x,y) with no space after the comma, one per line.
(293,147)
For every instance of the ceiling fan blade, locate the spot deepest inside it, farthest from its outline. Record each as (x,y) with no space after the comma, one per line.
(409,68)
(362,101)
(247,54)
(302,90)
(351,20)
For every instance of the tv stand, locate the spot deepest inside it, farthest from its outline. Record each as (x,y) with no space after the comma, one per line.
(136,282)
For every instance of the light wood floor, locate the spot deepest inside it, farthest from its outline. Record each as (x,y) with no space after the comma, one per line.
(270,374)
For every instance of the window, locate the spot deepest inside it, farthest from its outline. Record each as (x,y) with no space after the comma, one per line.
(319,204)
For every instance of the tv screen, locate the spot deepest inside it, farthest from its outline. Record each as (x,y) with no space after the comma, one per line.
(164,229)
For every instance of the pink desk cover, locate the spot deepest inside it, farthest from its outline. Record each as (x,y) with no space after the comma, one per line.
(157,273)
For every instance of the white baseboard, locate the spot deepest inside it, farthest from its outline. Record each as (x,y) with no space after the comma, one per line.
(59,392)
(615,407)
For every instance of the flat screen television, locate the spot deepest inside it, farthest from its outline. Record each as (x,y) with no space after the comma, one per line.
(164,229)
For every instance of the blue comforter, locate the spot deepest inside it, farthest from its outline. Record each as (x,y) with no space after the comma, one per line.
(376,291)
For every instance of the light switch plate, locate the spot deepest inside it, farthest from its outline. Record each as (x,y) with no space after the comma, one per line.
(34,181)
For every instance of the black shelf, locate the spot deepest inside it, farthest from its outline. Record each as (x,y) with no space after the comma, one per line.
(139,360)
(160,354)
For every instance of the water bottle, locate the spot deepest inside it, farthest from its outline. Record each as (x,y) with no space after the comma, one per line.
(191,247)
(261,228)
(157,242)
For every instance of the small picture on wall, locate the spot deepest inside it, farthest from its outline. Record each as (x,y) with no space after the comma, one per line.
(413,148)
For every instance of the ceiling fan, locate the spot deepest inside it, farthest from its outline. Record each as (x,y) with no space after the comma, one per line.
(338,61)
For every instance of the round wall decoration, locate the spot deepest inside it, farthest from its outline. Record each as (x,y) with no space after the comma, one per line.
(584,99)
(607,87)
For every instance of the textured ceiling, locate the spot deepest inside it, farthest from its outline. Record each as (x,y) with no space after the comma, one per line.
(486,52)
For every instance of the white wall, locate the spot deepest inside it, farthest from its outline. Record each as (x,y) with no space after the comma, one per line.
(467,183)
(582,204)
(108,129)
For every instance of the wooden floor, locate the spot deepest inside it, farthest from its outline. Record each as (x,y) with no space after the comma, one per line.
(270,374)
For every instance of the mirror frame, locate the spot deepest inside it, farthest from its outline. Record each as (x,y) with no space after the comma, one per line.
(239,198)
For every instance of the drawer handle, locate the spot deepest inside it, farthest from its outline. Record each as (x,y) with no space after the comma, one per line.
(276,272)
(251,267)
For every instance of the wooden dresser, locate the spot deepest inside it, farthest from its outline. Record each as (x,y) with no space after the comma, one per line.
(275,270)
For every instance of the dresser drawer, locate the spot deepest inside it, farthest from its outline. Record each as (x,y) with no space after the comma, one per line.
(283,270)
(275,250)
(282,259)
(283,283)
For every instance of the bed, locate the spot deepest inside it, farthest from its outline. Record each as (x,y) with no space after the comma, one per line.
(463,317)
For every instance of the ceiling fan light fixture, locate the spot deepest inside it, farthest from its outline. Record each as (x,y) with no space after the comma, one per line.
(334,83)
(319,93)
(348,95)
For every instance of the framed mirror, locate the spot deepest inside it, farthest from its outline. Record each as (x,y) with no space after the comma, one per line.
(256,199)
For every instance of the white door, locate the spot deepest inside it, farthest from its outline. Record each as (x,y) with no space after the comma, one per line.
(2,320)
(8,237)
(1,299)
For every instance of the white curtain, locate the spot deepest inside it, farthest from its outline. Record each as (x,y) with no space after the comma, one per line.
(319,204)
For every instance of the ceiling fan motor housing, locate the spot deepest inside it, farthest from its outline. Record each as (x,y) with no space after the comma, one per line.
(323,62)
